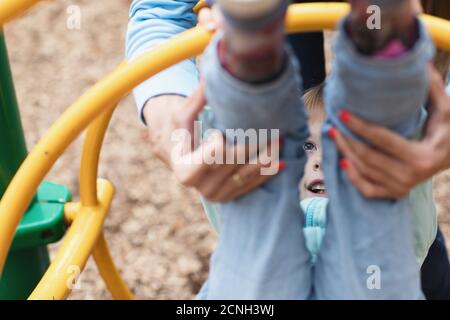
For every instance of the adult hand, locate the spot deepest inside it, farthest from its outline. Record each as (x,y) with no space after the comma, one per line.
(166,115)
(211,18)
(390,165)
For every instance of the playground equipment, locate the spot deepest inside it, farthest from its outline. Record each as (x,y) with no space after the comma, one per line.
(35,213)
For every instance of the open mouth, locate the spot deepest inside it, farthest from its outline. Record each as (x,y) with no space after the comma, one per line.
(317,187)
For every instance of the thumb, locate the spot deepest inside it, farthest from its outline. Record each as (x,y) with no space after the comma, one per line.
(188,115)
(196,102)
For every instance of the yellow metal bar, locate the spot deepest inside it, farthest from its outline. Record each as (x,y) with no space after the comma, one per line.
(200,5)
(324,16)
(109,272)
(70,211)
(315,16)
(105,93)
(90,157)
(76,248)
(103,259)
(9,9)
(75,119)
(439,30)
(88,195)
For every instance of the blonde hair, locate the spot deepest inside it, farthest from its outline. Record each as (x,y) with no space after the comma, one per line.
(315,103)
(439,8)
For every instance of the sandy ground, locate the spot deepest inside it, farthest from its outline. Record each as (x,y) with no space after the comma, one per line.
(159,236)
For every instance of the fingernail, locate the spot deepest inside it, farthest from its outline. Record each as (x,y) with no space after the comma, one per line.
(332,133)
(344,164)
(344,116)
(281,166)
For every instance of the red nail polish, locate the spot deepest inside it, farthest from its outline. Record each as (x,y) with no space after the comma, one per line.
(281,166)
(332,133)
(345,116)
(344,164)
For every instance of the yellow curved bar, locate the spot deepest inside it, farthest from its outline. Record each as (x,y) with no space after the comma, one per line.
(109,272)
(70,211)
(90,157)
(88,196)
(439,30)
(76,247)
(13,8)
(105,93)
(103,259)
(199,6)
(75,119)
(315,16)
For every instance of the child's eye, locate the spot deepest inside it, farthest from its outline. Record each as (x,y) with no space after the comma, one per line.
(309,146)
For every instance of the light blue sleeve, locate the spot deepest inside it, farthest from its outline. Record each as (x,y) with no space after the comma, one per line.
(448,88)
(151,22)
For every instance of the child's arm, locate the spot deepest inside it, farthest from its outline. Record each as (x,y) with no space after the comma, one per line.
(236,104)
(250,73)
(387,92)
(152,22)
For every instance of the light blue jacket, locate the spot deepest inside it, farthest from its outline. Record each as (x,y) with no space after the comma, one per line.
(152,22)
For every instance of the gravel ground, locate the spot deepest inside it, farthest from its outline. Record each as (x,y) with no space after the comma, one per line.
(158,234)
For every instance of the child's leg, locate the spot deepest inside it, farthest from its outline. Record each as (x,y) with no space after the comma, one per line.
(261,252)
(368,250)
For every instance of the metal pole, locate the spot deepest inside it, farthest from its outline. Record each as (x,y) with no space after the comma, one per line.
(23,268)
(12,141)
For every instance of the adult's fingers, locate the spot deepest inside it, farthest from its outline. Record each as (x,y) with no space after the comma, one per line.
(194,105)
(382,138)
(260,166)
(249,187)
(249,177)
(210,168)
(363,158)
(206,19)
(376,168)
(190,168)
(367,188)
(215,181)
(248,161)
(211,18)
(183,123)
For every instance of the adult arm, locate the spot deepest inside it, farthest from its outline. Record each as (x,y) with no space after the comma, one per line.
(150,23)
(164,105)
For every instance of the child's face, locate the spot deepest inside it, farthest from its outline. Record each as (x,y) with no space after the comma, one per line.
(312,184)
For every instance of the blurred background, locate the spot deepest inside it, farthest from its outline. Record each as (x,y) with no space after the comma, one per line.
(157,231)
